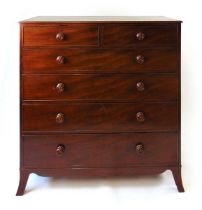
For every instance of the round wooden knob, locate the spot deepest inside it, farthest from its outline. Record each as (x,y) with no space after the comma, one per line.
(60,36)
(60,118)
(60,59)
(140,117)
(140,86)
(140,59)
(60,87)
(140,36)
(60,150)
(139,148)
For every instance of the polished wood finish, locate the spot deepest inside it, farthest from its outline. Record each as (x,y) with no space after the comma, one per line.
(100,150)
(178,178)
(60,87)
(139,36)
(140,148)
(140,86)
(99,60)
(60,118)
(60,36)
(100,87)
(69,35)
(60,150)
(24,175)
(99,97)
(100,117)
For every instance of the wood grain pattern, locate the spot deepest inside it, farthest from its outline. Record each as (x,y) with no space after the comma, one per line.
(98,60)
(100,97)
(126,36)
(100,87)
(74,35)
(100,150)
(100,117)
(102,172)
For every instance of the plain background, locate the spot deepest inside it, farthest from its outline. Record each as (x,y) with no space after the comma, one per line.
(141,193)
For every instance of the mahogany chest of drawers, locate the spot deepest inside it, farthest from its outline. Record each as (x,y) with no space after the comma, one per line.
(100,97)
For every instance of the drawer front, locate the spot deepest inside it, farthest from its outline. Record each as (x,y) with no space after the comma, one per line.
(99,87)
(100,117)
(68,35)
(128,36)
(99,60)
(100,150)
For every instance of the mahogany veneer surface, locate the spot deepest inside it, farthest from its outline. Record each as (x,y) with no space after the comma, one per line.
(100,97)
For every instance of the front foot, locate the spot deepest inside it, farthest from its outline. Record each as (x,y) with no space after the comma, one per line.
(178,178)
(24,175)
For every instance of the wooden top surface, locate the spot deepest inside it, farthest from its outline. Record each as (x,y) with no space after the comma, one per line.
(100,19)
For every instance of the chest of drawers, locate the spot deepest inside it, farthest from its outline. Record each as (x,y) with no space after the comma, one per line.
(100,97)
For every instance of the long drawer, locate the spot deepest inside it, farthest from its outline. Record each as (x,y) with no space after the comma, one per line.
(100,117)
(100,150)
(99,60)
(99,87)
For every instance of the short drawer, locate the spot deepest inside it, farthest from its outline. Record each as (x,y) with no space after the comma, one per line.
(99,60)
(100,150)
(99,87)
(68,35)
(99,117)
(137,35)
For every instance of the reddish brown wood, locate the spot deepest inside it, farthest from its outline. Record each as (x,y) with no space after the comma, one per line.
(60,87)
(140,86)
(100,87)
(60,36)
(100,117)
(100,98)
(103,172)
(140,148)
(139,35)
(61,59)
(60,118)
(178,178)
(140,116)
(68,35)
(99,60)
(140,59)
(24,175)
(100,150)
(60,150)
